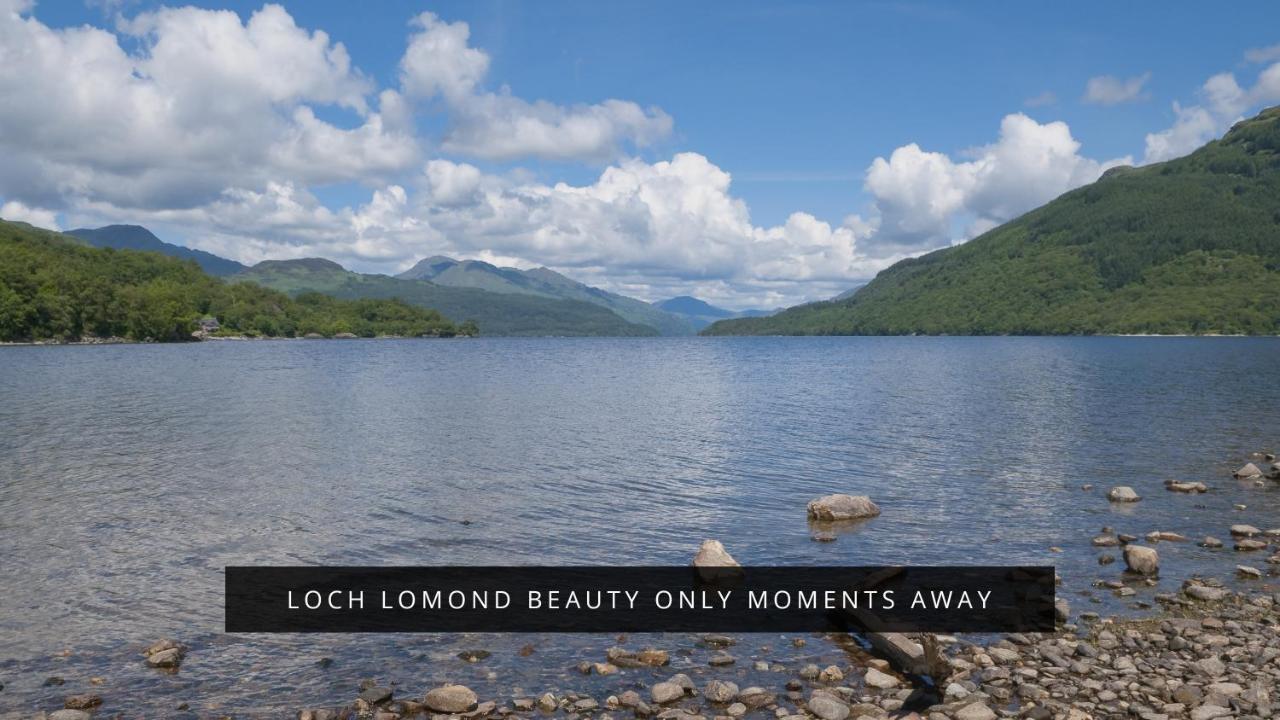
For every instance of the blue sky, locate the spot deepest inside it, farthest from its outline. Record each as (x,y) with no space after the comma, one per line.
(795,102)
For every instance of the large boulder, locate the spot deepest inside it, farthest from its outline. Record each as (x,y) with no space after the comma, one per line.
(842,507)
(451,699)
(1123,493)
(1141,560)
(714,562)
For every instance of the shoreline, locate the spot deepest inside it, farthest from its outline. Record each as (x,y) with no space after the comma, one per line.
(245,338)
(1202,652)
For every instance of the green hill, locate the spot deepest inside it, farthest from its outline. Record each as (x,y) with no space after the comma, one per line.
(1187,246)
(136,237)
(496,313)
(56,287)
(542,282)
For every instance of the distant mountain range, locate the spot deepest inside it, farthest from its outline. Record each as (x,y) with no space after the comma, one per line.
(1188,246)
(136,237)
(502,301)
(542,282)
(700,313)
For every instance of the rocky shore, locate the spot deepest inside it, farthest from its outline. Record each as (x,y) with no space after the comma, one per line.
(1203,652)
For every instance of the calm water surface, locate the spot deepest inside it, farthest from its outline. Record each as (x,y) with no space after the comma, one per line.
(131,475)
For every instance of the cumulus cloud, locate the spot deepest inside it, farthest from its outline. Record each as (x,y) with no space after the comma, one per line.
(206,102)
(1112,90)
(499,126)
(14,210)
(919,196)
(1223,102)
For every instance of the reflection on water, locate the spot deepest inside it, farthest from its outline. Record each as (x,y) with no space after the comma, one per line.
(130,475)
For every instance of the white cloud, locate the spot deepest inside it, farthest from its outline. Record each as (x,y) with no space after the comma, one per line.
(1262,55)
(1223,103)
(439,60)
(1112,90)
(919,196)
(499,126)
(14,210)
(207,102)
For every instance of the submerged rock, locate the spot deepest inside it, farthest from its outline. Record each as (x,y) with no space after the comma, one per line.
(451,699)
(1141,560)
(842,507)
(82,702)
(1123,493)
(1210,542)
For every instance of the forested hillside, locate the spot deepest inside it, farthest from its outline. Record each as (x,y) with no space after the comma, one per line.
(55,287)
(1187,246)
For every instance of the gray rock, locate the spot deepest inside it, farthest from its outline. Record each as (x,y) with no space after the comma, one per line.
(826,707)
(69,715)
(1186,487)
(1204,592)
(720,691)
(665,692)
(1141,560)
(1210,542)
(375,695)
(975,711)
(451,699)
(714,562)
(755,697)
(877,679)
(1249,471)
(1123,493)
(1244,531)
(842,507)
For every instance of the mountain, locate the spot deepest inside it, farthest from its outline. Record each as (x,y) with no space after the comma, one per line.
(1191,245)
(700,313)
(57,287)
(496,313)
(542,282)
(136,237)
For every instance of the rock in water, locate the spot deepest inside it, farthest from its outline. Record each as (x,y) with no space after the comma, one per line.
(1244,531)
(842,507)
(1210,542)
(451,699)
(714,562)
(1247,472)
(826,707)
(69,715)
(1186,487)
(1141,560)
(1123,493)
(665,692)
(720,691)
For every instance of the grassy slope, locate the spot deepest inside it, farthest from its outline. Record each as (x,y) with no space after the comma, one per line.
(1187,246)
(495,313)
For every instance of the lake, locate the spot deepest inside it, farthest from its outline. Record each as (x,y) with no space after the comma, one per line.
(131,475)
